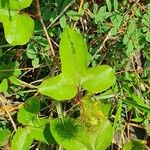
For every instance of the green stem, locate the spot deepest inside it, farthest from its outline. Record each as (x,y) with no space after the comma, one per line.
(4,46)
(117,117)
(107,96)
(28,85)
(59,110)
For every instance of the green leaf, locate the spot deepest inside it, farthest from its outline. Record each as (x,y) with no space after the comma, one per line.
(108,2)
(32,51)
(133,145)
(14,4)
(66,133)
(101,14)
(32,105)
(14,23)
(74,15)
(90,131)
(145,20)
(14,80)
(139,100)
(22,139)
(63,21)
(28,113)
(72,45)
(116,5)
(148,36)
(76,73)
(74,135)
(58,87)
(97,127)
(104,137)
(130,47)
(42,134)
(125,39)
(4,136)
(16,32)
(4,85)
(114,30)
(147,125)
(9,69)
(35,62)
(137,120)
(106,108)
(100,78)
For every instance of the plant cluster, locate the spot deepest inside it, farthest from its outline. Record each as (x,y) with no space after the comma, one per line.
(90,91)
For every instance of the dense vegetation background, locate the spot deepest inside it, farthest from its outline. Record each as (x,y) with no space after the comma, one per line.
(117,33)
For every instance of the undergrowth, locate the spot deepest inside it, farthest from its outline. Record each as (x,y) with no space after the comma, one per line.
(53,98)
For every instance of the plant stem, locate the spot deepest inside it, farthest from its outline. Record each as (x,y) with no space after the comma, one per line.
(46,32)
(118,115)
(59,110)
(61,13)
(80,7)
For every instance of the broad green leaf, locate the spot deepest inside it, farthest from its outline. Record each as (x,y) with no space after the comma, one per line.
(74,48)
(99,78)
(4,85)
(22,139)
(5,15)
(94,118)
(75,73)
(16,31)
(106,108)
(90,108)
(25,117)
(39,122)
(66,133)
(28,113)
(42,134)
(58,88)
(4,136)
(104,136)
(74,135)
(32,105)
(14,4)
(90,131)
